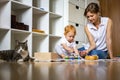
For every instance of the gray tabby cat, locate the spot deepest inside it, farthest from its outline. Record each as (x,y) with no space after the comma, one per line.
(20,53)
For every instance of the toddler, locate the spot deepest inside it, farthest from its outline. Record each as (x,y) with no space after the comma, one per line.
(67,45)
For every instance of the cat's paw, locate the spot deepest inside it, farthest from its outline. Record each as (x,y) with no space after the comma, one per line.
(36,60)
(20,60)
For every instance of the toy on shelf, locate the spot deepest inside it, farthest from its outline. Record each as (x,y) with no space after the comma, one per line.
(37,30)
(18,25)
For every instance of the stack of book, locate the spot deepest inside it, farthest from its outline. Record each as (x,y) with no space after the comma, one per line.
(18,25)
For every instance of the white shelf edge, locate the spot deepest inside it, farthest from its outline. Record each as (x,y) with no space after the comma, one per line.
(54,36)
(4,28)
(39,34)
(18,5)
(19,31)
(54,15)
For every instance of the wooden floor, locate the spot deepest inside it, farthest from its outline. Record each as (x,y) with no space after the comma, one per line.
(69,70)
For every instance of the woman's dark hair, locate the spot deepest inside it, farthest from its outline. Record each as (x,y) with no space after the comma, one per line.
(93,8)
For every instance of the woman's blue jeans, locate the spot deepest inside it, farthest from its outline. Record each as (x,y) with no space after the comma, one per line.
(101,54)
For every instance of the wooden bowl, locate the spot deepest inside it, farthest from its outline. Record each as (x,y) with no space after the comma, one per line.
(92,57)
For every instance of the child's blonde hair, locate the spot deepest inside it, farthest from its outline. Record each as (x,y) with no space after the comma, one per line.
(69,28)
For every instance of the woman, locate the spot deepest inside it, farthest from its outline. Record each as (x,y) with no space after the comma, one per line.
(98,31)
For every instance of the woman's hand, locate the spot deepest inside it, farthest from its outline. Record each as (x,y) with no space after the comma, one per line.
(62,56)
(83,53)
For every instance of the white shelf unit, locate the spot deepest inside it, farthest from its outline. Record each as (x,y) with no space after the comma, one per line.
(41,22)
(46,15)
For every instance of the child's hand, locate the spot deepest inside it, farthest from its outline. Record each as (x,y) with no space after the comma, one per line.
(71,50)
(63,56)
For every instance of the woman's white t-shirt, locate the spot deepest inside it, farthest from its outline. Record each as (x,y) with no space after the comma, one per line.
(99,34)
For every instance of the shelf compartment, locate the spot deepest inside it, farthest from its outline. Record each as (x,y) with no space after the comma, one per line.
(37,14)
(41,4)
(40,20)
(53,41)
(21,36)
(4,39)
(5,15)
(56,24)
(40,43)
(23,14)
(56,6)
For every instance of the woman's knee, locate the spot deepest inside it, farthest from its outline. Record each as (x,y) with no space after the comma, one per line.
(93,52)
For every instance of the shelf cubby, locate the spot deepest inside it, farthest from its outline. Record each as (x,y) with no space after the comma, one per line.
(40,20)
(4,39)
(56,24)
(56,6)
(41,4)
(23,14)
(22,36)
(5,15)
(40,43)
(53,41)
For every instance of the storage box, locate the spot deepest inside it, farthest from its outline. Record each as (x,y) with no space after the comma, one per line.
(46,56)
